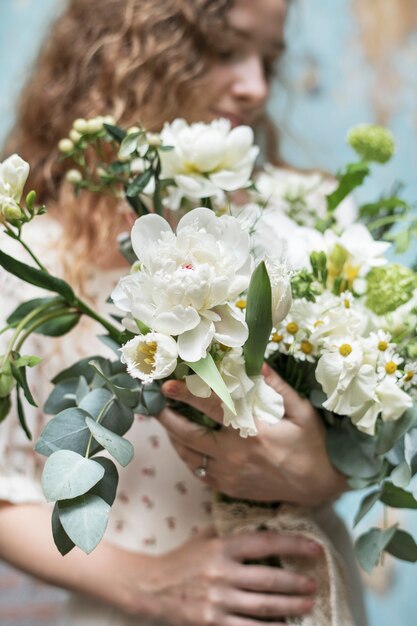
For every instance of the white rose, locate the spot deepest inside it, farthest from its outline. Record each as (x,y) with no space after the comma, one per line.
(187,280)
(208,157)
(150,357)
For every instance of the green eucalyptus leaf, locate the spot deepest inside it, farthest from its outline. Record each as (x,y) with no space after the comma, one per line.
(370,545)
(390,432)
(61,539)
(63,396)
(403,546)
(106,488)
(258,319)
(152,399)
(124,394)
(397,498)
(82,390)
(67,475)
(95,400)
(66,431)
(110,343)
(366,505)
(37,277)
(207,370)
(352,452)
(84,519)
(352,177)
(81,368)
(121,449)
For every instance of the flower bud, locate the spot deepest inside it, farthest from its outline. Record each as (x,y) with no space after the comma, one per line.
(65,146)
(372,142)
(75,136)
(133,129)
(389,286)
(73,176)
(109,119)
(153,140)
(94,125)
(279,277)
(7,382)
(10,209)
(80,125)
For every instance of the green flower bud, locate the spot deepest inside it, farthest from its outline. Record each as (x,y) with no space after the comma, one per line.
(9,209)
(388,287)
(7,382)
(372,142)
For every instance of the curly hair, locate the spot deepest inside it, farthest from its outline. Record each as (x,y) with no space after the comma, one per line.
(118,57)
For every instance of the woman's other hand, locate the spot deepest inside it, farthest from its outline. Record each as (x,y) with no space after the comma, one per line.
(287,461)
(206,582)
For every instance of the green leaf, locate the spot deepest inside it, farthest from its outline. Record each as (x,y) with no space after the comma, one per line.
(21,415)
(106,488)
(129,144)
(207,370)
(27,307)
(81,368)
(353,177)
(27,361)
(84,520)
(67,475)
(5,406)
(390,432)
(139,183)
(62,396)
(152,399)
(37,277)
(397,498)
(95,400)
(59,325)
(19,374)
(369,546)
(403,546)
(82,390)
(66,431)
(352,452)
(115,132)
(258,319)
(366,505)
(61,539)
(120,449)
(126,395)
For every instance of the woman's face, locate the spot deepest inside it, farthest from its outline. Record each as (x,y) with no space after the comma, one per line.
(238,80)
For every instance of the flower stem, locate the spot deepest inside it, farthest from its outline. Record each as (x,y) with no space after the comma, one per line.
(42,320)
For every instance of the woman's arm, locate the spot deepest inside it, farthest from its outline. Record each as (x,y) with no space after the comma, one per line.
(201,583)
(287,461)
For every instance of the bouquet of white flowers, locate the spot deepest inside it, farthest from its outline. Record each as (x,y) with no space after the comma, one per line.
(286,276)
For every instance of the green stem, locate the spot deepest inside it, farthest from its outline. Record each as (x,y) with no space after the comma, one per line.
(389,219)
(42,320)
(113,331)
(98,420)
(17,237)
(21,326)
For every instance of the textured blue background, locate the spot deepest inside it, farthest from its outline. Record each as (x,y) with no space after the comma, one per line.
(349,61)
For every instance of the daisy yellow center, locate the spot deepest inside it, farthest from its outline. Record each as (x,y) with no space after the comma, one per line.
(346,302)
(306,347)
(276,337)
(345,349)
(382,346)
(241,304)
(409,376)
(390,367)
(292,328)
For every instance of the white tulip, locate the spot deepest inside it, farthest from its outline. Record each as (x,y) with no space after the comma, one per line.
(150,357)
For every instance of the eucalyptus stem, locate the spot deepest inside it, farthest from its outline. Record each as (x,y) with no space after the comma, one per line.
(113,331)
(98,420)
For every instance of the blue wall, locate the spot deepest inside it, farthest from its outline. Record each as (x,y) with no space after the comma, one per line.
(336,76)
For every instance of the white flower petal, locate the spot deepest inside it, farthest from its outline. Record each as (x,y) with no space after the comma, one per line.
(197,386)
(193,344)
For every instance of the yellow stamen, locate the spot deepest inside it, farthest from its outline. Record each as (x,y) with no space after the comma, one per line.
(306,347)
(318,323)
(345,349)
(390,367)
(241,304)
(292,328)
(382,346)
(346,302)
(409,376)
(276,337)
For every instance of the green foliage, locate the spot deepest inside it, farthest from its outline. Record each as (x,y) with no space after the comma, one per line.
(370,545)
(389,286)
(121,449)
(403,546)
(372,142)
(258,319)
(67,475)
(84,520)
(207,370)
(352,177)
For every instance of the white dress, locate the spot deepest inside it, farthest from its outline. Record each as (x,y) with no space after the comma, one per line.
(159,504)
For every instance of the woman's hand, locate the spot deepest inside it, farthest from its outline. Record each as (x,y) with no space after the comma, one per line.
(284,462)
(206,583)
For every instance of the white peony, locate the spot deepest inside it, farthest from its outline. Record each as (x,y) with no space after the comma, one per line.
(186,280)
(13,175)
(207,158)
(150,357)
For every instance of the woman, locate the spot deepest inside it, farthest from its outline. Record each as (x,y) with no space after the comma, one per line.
(152,61)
